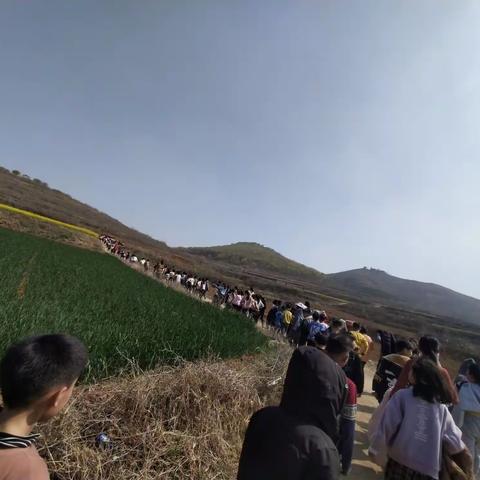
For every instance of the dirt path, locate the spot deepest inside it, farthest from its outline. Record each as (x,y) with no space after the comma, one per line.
(362,467)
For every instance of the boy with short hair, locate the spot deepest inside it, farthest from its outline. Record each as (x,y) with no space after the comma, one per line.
(37,376)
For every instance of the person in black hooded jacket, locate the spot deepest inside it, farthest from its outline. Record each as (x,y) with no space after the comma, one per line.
(296,440)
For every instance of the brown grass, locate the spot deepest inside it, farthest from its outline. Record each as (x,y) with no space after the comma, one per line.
(20,223)
(184,422)
(22,286)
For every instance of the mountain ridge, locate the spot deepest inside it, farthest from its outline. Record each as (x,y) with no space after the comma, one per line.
(247,262)
(256,256)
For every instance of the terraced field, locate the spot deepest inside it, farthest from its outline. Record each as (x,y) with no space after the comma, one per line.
(121,315)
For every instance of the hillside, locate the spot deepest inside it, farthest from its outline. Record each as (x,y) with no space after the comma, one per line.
(256,257)
(379,287)
(36,196)
(241,263)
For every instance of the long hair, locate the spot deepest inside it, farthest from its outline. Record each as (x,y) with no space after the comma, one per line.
(474,372)
(429,347)
(430,384)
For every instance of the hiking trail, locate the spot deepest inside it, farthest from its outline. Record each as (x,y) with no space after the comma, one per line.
(362,467)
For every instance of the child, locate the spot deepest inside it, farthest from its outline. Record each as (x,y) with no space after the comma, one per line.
(347,428)
(467,413)
(37,377)
(429,348)
(318,325)
(461,378)
(390,367)
(416,425)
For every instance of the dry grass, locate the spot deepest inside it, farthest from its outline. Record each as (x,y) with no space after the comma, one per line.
(21,223)
(184,422)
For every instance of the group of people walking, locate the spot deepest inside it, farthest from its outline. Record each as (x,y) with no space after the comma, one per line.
(246,301)
(426,427)
(191,282)
(420,405)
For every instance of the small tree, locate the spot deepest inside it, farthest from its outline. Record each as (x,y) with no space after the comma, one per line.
(16,172)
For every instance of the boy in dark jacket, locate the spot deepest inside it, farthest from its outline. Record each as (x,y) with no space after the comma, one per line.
(296,440)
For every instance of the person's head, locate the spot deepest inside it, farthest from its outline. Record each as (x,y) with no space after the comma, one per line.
(337,325)
(323,316)
(39,373)
(429,347)
(363,330)
(316,316)
(339,347)
(428,382)
(402,347)
(465,366)
(473,373)
(313,390)
(319,341)
(355,327)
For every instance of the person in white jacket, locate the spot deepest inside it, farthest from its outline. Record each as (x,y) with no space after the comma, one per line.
(467,415)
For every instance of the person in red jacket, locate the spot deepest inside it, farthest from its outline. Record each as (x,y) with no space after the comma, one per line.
(347,428)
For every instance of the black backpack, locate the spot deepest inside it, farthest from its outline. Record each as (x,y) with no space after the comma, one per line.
(385,377)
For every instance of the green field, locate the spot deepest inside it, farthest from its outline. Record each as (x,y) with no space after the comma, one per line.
(120,314)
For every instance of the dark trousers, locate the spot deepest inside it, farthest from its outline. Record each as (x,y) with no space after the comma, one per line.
(346,442)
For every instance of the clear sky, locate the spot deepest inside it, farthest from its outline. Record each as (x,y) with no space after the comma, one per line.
(341,133)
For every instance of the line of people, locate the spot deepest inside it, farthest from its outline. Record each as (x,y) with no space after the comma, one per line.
(311,434)
(245,301)
(426,426)
(191,282)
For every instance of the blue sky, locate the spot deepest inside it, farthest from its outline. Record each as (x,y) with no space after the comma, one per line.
(342,134)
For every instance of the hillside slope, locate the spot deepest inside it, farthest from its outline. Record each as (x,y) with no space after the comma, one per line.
(253,256)
(246,263)
(379,287)
(36,196)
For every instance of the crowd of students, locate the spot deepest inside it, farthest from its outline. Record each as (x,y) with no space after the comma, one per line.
(245,301)
(330,353)
(191,282)
(409,376)
(426,426)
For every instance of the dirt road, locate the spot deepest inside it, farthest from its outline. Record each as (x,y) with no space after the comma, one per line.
(362,467)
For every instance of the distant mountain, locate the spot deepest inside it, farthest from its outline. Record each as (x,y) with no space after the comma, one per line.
(258,258)
(379,287)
